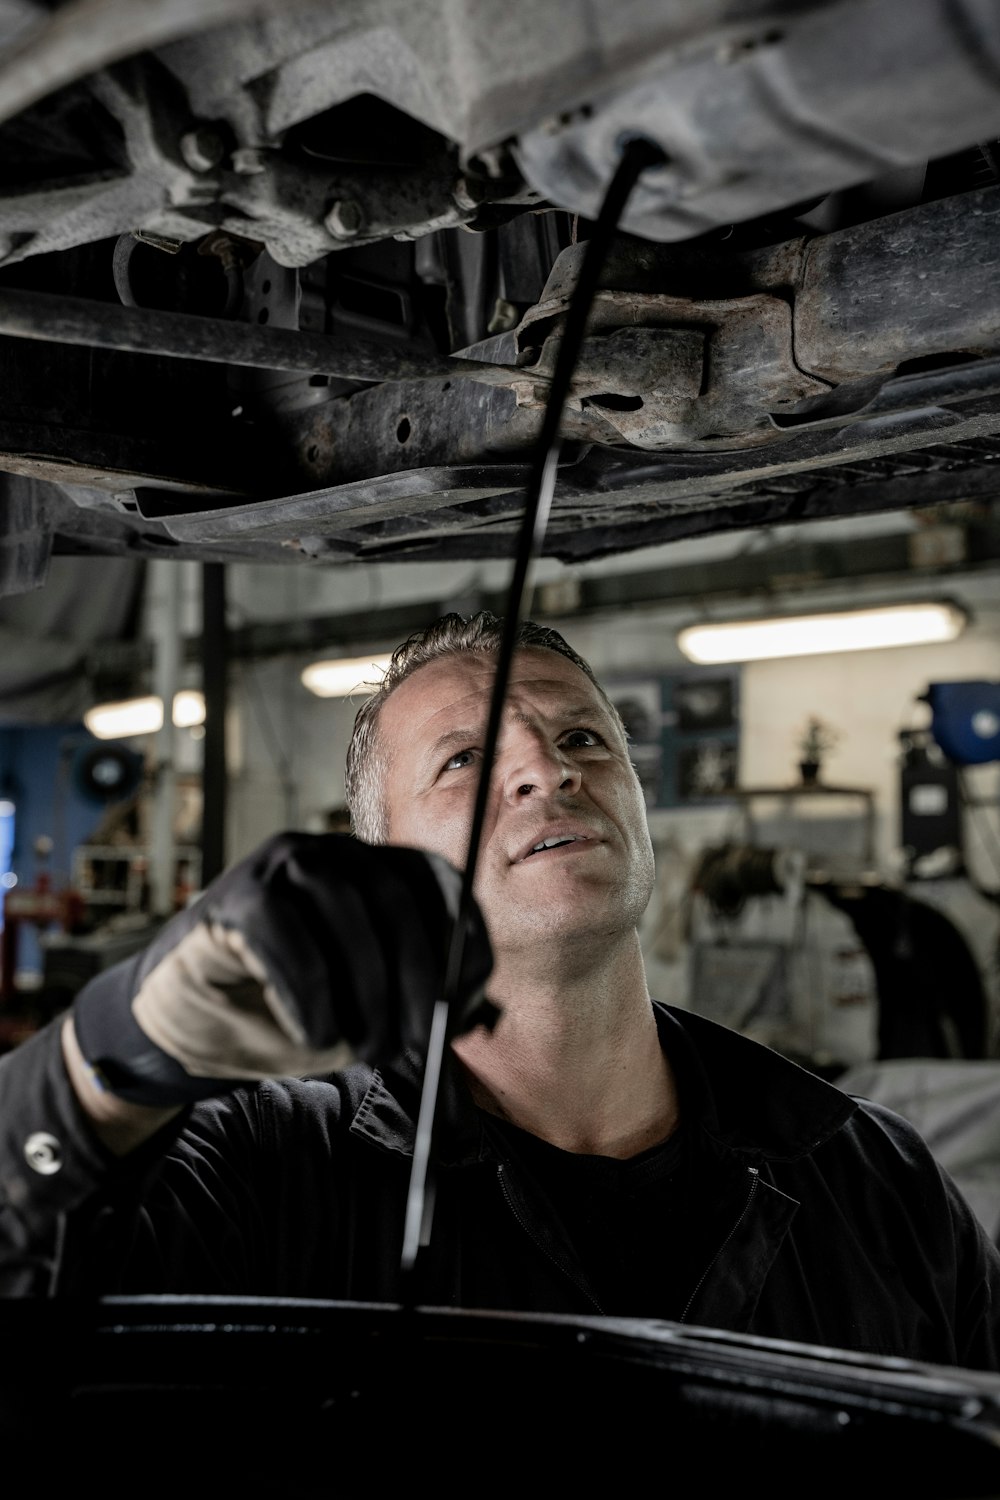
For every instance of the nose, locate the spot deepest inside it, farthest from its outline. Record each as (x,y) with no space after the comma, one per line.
(534,767)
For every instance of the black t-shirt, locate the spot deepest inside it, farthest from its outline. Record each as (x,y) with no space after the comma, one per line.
(632,1223)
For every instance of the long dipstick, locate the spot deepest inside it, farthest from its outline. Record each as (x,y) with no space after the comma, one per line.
(637,155)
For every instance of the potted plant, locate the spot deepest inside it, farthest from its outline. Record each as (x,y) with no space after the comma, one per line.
(814,742)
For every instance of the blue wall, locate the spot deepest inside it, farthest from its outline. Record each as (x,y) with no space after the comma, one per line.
(37,774)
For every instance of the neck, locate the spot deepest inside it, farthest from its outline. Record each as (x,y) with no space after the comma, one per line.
(575,1060)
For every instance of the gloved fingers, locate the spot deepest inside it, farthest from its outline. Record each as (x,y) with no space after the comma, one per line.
(210,1005)
(324,915)
(384,916)
(324,959)
(435,958)
(313,950)
(472,953)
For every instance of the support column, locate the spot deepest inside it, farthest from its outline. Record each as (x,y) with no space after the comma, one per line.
(214,676)
(167,577)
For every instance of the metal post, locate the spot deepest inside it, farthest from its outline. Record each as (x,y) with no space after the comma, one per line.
(214,673)
(166,578)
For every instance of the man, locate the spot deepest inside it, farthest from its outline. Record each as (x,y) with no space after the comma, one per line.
(595,1153)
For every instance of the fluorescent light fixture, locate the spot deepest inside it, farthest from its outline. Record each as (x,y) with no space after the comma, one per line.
(811,635)
(132,716)
(189,708)
(339,678)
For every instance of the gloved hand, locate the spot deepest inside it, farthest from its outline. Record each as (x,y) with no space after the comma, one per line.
(313,950)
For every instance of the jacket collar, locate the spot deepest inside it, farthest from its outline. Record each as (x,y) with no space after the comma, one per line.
(390,1107)
(746,1097)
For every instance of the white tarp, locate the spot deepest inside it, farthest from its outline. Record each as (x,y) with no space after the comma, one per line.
(956,1107)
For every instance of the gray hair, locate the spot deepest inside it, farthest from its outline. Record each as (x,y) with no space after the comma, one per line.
(451,635)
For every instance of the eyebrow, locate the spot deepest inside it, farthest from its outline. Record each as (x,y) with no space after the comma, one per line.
(462,738)
(583,711)
(452,739)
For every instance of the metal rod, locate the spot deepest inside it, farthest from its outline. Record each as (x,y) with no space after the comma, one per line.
(636,156)
(166,575)
(214,678)
(105,325)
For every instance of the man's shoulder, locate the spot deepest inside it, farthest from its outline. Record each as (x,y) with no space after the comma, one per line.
(764,1105)
(747,1095)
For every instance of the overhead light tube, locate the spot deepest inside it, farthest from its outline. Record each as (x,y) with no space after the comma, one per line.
(134,716)
(915,624)
(343,676)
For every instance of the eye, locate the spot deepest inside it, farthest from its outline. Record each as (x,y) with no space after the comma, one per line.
(580,739)
(460,760)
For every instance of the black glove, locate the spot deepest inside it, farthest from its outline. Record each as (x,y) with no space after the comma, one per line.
(313,951)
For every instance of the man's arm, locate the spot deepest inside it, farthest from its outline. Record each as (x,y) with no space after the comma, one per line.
(314,950)
(118,1124)
(54,1166)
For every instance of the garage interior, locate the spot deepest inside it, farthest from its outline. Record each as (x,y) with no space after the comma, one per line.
(254,430)
(812,884)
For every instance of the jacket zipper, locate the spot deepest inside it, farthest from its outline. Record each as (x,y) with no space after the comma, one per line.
(755,1180)
(559,1265)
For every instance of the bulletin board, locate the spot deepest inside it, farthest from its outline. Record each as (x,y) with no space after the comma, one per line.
(684,732)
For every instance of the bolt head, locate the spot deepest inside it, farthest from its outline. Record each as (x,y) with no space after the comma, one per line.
(202,148)
(505,317)
(464,196)
(345,219)
(248,160)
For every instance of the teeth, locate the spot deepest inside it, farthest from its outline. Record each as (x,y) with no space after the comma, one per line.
(551,843)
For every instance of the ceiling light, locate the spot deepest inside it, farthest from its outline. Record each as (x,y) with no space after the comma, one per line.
(340,678)
(809,635)
(189,708)
(132,716)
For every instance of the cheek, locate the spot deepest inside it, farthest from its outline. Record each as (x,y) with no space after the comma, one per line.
(451,832)
(622,791)
(453,829)
(633,814)
(439,825)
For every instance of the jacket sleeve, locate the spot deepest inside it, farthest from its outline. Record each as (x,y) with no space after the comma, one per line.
(959,1263)
(977,1312)
(53,1169)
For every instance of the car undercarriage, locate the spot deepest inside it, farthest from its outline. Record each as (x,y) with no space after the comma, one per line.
(289,284)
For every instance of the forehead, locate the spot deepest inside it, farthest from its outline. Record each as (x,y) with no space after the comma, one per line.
(461,685)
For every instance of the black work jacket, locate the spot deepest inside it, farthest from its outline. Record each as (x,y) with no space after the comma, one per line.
(836,1225)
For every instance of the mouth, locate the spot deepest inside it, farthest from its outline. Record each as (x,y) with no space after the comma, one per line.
(554,841)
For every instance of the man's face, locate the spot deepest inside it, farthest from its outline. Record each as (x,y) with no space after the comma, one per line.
(565,848)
